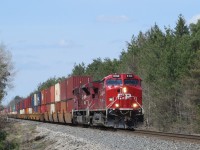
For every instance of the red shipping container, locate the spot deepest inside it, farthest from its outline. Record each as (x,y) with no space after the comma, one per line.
(25,103)
(58,107)
(28,102)
(63,90)
(50,95)
(43,96)
(48,108)
(39,109)
(43,108)
(76,81)
(63,106)
(52,91)
(22,104)
(70,105)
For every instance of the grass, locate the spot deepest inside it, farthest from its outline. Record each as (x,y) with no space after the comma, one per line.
(5,144)
(21,136)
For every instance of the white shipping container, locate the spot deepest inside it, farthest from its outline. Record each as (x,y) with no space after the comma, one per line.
(22,111)
(35,100)
(30,110)
(57,92)
(52,108)
(14,112)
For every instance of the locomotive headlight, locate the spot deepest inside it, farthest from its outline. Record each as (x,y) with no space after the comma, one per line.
(124,89)
(111,99)
(135,105)
(117,105)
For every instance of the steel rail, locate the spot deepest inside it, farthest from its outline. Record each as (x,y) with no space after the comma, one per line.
(168,135)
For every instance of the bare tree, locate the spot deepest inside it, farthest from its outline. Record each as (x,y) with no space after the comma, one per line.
(6,70)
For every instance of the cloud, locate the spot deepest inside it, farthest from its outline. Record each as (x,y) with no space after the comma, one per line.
(68,44)
(194,19)
(63,43)
(113,19)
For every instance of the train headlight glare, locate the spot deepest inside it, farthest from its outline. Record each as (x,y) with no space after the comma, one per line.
(135,105)
(124,89)
(117,105)
(111,99)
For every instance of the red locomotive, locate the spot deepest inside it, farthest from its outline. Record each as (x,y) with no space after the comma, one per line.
(115,101)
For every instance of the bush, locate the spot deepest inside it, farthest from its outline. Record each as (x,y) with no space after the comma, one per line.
(2,135)
(4,143)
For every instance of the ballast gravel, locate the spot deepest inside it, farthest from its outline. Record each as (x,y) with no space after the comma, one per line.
(65,137)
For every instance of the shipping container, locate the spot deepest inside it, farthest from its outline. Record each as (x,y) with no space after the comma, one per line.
(27,102)
(35,100)
(50,95)
(43,96)
(48,108)
(63,90)
(48,115)
(43,109)
(70,105)
(52,108)
(17,106)
(35,109)
(22,111)
(13,107)
(26,111)
(39,109)
(52,91)
(76,81)
(57,92)
(22,104)
(39,98)
(58,107)
(63,106)
(30,110)
(32,100)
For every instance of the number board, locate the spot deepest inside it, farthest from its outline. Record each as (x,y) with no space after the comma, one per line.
(129,76)
(116,76)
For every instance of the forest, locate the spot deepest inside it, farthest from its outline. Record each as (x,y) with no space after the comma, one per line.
(167,60)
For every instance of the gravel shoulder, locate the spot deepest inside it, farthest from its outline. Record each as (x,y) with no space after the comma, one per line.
(37,135)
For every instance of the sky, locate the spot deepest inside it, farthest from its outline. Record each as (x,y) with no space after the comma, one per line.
(47,37)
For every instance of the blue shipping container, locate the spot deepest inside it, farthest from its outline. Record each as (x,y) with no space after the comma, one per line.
(39,97)
(36,109)
(32,101)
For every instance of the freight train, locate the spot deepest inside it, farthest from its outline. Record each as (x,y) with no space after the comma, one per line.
(115,101)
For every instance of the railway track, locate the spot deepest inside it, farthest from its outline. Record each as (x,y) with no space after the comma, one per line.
(171,136)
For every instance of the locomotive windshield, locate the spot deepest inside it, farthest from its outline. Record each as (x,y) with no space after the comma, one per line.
(114,82)
(131,82)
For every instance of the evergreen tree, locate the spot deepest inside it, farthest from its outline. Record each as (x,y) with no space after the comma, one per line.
(181,27)
(78,69)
